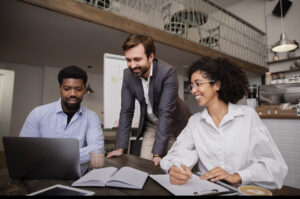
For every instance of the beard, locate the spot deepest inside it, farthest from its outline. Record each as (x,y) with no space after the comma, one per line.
(139,71)
(71,107)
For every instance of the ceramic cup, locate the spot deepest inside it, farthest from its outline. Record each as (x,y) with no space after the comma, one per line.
(97,159)
(247,190)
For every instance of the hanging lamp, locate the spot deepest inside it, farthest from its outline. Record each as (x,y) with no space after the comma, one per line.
(89,89)
(284,44)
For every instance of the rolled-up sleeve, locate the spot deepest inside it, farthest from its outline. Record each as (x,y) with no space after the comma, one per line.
(183,152)
(267,167)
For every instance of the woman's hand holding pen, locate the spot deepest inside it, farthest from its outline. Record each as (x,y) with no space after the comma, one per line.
(219,173)
(179,174)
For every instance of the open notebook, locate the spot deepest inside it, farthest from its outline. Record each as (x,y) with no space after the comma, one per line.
(126,177)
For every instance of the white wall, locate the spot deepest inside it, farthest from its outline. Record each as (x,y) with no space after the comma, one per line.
(251,11)
(6,95)
(27,93)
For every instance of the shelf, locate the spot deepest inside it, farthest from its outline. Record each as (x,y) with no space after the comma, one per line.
(287,71)
(288,84)
(283,60)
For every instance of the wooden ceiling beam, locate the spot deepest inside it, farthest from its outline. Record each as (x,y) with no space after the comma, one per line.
(92,14)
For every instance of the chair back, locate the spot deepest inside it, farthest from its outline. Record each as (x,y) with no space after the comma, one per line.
(169,24)
(213,38)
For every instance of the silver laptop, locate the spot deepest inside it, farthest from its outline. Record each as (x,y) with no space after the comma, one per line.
(43,158)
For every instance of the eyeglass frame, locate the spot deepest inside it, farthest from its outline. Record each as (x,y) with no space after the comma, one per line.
(198,84)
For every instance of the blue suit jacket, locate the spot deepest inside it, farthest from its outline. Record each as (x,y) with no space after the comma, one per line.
(171,111)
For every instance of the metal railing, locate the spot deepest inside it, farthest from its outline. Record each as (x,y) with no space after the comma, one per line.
(200,21)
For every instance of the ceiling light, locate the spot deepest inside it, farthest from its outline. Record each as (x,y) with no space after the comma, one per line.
(284,44)
(89,89)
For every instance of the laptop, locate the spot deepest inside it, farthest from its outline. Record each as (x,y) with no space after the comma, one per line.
(43,158)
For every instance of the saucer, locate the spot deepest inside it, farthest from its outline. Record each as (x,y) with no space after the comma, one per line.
(253,191)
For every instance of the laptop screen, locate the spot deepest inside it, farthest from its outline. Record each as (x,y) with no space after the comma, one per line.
(42,158)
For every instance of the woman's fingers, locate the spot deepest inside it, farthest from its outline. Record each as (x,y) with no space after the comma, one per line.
(179,175)
(215,173)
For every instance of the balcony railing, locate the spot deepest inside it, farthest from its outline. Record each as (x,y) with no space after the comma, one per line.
(200,21)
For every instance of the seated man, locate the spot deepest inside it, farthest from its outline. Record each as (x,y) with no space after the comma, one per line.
(65,118)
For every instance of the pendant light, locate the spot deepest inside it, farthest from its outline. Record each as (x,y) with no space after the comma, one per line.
(284,44)
(89,89)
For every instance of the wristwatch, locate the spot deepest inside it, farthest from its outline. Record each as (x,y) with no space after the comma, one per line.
(156,155)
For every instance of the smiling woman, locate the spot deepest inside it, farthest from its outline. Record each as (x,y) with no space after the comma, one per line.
(213,137)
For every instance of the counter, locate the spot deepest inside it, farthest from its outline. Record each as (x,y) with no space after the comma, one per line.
(275,112)
(279,117)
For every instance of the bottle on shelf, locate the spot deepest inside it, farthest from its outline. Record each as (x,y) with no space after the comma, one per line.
(275,57)
(268,77)
(251,100)
(298,108)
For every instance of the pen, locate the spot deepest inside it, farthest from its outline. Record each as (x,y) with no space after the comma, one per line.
(177,164)
(221,193)
(231,188)
(212,192)
(227,186)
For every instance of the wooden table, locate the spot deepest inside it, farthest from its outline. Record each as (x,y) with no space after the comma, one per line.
(9,186)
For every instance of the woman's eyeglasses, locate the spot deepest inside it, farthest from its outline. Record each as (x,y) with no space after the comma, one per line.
(198,84)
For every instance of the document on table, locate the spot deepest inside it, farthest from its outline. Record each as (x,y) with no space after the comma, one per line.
(195,186)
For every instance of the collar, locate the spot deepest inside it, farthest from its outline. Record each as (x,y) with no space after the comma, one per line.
(233,111)
(58,107)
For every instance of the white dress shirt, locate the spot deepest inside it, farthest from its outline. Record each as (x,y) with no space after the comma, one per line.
(241,144)
(150,114)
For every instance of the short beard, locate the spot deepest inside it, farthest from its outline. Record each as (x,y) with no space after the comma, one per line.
(72,108)
(143,71)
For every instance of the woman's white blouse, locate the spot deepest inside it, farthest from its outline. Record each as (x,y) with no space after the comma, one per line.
(241,144)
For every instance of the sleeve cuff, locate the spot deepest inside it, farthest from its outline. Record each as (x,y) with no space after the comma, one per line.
(165,165)
(246,176)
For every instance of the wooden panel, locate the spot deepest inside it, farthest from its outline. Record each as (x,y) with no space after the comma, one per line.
(101,17)
(275,112)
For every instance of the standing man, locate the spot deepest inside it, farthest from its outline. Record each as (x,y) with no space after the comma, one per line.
(65,118)
(154,84)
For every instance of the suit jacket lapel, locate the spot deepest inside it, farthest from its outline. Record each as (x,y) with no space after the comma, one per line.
(139,91)
(152,80)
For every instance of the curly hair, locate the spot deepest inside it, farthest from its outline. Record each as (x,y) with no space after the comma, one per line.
(234,81)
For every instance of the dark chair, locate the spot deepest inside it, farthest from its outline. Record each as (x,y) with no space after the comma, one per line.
(213,38)
(103,4)
(171,25)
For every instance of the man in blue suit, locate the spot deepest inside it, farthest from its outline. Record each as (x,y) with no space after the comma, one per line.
(154,84)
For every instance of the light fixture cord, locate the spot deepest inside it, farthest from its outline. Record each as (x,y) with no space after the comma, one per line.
(282,27)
